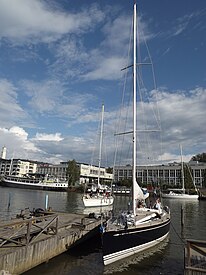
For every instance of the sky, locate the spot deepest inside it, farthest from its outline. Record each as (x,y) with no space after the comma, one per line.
(60,60)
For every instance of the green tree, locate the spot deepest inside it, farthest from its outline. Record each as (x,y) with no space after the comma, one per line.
(73,173)
(188,177)
(125,182)
(199,157)
(109,170)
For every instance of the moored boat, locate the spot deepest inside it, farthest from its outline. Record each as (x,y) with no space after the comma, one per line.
(99,194)
(180,193)
(136,230)
(33,183)
(98,200)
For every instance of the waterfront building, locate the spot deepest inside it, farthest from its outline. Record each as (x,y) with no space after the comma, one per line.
(3,152)
(57,170)
(17,167)
(88,173)
(165,174)
(20,167)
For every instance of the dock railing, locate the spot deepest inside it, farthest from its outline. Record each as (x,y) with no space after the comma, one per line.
(195,257)
(26,231)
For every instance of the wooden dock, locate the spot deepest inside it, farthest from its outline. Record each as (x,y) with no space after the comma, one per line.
(26,243)
(195,257)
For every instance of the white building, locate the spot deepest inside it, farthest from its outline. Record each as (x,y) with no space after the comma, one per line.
(168,174)
(17,167)
(88,173)
(3,152)
(57,170)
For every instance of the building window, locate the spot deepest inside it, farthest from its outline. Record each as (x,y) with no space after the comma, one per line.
(120,173)
(197,173)
(172,173)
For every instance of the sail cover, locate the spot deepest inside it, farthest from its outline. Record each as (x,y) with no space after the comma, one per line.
(139,193)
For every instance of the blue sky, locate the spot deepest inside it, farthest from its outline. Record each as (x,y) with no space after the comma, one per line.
(60,60)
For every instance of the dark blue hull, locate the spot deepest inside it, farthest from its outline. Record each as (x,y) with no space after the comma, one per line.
(123,243)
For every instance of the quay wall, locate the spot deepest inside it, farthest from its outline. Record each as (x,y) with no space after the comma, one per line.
(20,259)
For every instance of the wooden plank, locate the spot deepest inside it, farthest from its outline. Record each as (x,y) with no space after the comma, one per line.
(72,229)
(196,256)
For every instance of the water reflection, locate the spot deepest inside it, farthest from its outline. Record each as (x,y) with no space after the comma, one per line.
(139,263)
(194,218)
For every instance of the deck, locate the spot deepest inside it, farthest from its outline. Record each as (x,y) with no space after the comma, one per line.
(28,242)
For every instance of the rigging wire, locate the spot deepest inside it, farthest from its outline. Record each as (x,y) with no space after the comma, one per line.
(146,137)
(143,92)
(122,108)
(94,157)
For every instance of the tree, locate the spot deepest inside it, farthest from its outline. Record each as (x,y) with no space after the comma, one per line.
(109,170)
(188,177)
(199,157)
(73,173)
(126,182)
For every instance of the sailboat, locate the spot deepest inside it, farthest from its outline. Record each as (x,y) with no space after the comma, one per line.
(99,195)
(137,230)
(180,193)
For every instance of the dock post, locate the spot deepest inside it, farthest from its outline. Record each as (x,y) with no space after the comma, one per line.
(9,202)
(46,201)
(83,221)
(182,216)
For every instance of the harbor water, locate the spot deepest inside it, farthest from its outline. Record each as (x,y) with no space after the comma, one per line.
(166,258)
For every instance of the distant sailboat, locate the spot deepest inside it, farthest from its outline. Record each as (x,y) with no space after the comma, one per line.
(100,195)
(180,193)
(139,229)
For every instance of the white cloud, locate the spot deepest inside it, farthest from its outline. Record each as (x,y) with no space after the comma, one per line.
(54,99)
(188,21)
(43,96)
(48,137)
(71,58)
(19,132)
(182,116)
(169,158)
(19,145)
(117,33)
(111,56)
(40,21)
(22,20)
(17,142)
(109,68)
(11,112)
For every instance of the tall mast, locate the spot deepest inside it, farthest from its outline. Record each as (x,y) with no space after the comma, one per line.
(100,145)
(182,168)
(134,108)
